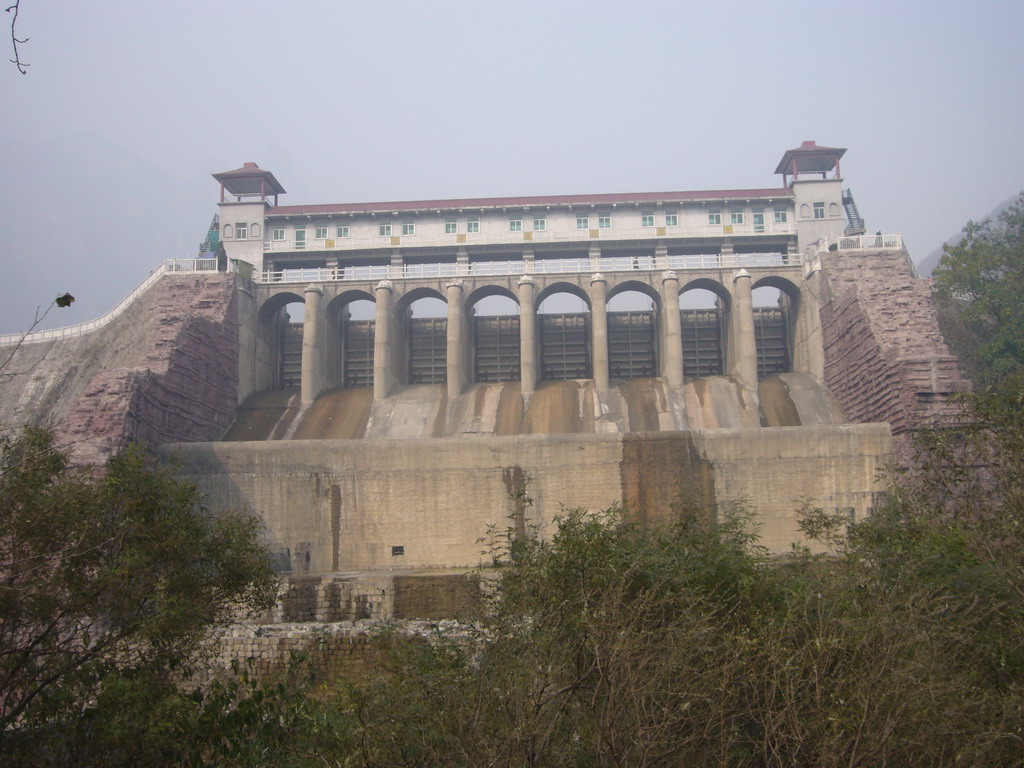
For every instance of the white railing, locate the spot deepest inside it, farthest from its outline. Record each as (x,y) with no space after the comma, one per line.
(497,267)
(864,242)
(729,261)
(520,267)
(177,266)
(626,263)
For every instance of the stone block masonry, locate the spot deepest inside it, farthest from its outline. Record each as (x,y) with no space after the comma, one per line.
(885,359)
(165,370)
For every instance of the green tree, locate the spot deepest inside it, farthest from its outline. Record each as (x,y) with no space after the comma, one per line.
(109,585)
(983,277)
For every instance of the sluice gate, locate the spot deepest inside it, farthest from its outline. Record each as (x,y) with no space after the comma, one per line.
(565,347)
(496,349)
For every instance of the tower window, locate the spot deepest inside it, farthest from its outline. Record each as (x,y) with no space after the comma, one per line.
(242,231)
(819,210)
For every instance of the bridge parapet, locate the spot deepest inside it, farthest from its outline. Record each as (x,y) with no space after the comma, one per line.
(520,267)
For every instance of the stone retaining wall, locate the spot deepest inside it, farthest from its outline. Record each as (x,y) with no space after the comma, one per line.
(885,359)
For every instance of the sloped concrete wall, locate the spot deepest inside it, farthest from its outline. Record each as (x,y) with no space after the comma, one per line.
(334,505)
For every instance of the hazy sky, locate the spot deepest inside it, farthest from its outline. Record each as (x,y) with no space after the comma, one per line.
(349,101)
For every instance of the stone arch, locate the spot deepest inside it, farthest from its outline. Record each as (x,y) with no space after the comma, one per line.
(422,341)
(564,337)
(494,338)
(350,359)
(634,340)
(704,330)
(775,327)
(640,287)
(563,287)
(278,343)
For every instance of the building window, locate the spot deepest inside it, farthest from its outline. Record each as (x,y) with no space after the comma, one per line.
(451,226)
(604,222)
(714,218)
(242,231)
(647,220)
(540,223)
(582,222)
(343,230)
(736,217)
(780,216)
(759,222)
(819,210)
(300,238)
(671,219)
(320,233)
(384,229)
(408,227)
(515,225)
(277,233)
(473,225)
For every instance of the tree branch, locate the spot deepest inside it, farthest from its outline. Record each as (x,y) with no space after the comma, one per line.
(15,40)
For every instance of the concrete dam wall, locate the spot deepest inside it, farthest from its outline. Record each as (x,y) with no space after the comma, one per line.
(352,504)
(347,480)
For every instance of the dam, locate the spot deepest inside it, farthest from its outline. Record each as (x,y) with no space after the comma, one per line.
(383,383)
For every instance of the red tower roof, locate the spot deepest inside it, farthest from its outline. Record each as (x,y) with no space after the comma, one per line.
(810,158)
(249,181)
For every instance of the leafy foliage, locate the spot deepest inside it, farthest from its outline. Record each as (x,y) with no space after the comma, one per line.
(614,644)
(107,584)
(981,279)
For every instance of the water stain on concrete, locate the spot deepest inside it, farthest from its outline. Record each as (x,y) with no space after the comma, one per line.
(339,414)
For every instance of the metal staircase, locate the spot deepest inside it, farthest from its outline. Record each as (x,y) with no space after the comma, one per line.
(209,245)
(855,224)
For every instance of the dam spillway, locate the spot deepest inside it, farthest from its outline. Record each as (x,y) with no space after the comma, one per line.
(556,407)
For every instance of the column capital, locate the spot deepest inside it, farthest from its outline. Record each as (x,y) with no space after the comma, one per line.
(667,275)
(386,285)
(454,284)
(525,280)
(740,273)
(597,277)
(313,288)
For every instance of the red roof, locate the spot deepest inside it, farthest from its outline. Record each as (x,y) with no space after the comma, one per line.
(250,179)
(478,203)
(811,158)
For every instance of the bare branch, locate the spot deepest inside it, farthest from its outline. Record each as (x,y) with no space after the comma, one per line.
(15,40)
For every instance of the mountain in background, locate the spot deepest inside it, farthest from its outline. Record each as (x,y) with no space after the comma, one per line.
(929,262)
(79,214)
